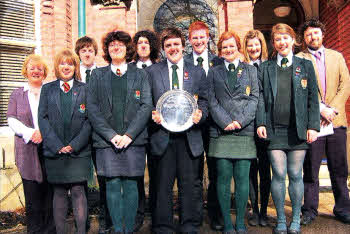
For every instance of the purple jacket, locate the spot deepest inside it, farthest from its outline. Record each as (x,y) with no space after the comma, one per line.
(27,158)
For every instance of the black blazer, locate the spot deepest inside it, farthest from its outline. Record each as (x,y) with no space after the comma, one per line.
(239,104)
(195,84)
(213,60)
(51,120)
(138,106)
(304,95)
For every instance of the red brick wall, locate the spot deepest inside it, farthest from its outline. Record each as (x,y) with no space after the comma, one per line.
(337,36)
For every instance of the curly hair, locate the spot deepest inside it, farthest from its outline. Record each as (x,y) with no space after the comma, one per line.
(37,59)
(153,43)
(118,36)
(313,23)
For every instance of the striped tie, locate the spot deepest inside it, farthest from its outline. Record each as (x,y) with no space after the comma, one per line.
(66,87)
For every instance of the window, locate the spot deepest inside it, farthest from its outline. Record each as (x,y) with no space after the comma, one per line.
(17,40)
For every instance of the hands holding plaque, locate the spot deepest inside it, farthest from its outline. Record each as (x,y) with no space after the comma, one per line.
(177,111)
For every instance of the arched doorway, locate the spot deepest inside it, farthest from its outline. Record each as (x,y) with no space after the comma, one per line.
(181,13)
(264,16)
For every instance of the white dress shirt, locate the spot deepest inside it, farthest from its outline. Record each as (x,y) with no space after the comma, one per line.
(205,57)
(17,126)
(179,71)
(258,61)
(83,71)
(289,57)
(122,67)
(139,63)
(235,62)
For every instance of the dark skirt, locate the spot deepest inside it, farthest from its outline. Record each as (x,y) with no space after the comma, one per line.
(112,162)
(66,169)
(286,139)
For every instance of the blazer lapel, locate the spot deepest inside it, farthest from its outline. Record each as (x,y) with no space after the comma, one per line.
(164,72)
(313,60)
(131,76)
(56,96)
(108,86)
(224,76)
(328,61)
(272,71)
(75,94)
(187,81)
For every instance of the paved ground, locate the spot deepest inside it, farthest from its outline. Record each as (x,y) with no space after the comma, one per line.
(324,224)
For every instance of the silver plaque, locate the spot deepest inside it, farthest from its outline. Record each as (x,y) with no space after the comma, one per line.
(176,108)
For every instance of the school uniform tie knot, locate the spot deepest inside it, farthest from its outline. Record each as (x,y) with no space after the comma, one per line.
(256,65)
(66,87)
(284,62)
(119,73)
(231,67)
(175,79)
(144,65)
(88,74)
(200,61)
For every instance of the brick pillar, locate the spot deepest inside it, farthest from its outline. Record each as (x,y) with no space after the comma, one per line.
(56,30)
(236,15)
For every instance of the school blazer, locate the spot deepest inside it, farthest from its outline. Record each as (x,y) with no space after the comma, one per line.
(137,109)
(51,121)
(195,84)
(304,95)
(238,104)
(337,85)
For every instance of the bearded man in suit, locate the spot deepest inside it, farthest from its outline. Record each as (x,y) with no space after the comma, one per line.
(334,89)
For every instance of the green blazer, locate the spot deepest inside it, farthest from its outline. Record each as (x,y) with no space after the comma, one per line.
(304,95)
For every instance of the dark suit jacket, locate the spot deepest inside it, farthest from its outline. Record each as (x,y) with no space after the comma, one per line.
(51,120)
(304,95)
(239,104)
(213,60)
(138,106)
(195,84)
(27,155)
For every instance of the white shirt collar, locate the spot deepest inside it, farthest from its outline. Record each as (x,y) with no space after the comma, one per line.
(258,61)
(289,57)
(122,67)
(71,82)
(26,87)
(235,62)
(83,70)
(180,72)
(139,63)
(205,58)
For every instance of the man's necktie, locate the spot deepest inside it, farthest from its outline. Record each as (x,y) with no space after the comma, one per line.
(321,71)
(88,74)
(232,78)
(144,65)
(284,62)
(119,73)
(175,79)
(200,61)
(256,65)
(66,87)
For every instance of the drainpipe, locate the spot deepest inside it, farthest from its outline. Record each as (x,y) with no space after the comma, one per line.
(81,18)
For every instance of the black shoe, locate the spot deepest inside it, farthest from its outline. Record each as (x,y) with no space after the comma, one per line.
(275,231)
(138,223)
(306,220)
(292,231)
(344,218)
(253,220)
(263,220)
(216,225)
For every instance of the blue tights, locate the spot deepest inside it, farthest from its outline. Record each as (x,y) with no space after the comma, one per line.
(291,162)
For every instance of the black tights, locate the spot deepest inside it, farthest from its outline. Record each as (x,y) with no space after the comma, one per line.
(60,206)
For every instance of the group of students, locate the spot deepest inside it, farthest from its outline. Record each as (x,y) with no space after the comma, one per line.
(253,112)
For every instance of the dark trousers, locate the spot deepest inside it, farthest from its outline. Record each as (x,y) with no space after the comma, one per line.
(261,165)
(38,202)
(104,218)
(178,163)
(151,165)
(334,146)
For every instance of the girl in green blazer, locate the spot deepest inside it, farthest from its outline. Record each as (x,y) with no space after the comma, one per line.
(288,117)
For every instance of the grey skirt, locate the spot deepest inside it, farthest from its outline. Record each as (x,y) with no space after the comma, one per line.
(112,162)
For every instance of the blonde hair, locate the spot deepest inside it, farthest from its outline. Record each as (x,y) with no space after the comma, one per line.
(251,35)
(36,59)
(71,58)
